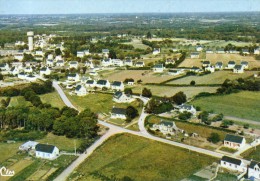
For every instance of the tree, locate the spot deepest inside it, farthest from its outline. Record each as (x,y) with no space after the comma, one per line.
(179,98)
(1,77)
(146,92)
(192,83)
(214,137)
(185,115)
(149,35)
(128,91)
(58,51)
(204,116)
(131,113)
(112,54)
(27,57)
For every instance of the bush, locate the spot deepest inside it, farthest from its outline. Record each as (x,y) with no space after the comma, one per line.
(192,83)
(185,115)
(246,126)
(23,135)
(214,137)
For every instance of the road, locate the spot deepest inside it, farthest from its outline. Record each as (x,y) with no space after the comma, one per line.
(113,129)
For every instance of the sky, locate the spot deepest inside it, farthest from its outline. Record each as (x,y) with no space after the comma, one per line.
(124,6)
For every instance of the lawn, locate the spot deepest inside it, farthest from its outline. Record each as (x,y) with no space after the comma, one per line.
(225,177)
(128,156)
(137,44)
(242,105)
(19,101)
(170,91)
(63,143)
(7,150)
(217,77)
(53,99)
(253,153)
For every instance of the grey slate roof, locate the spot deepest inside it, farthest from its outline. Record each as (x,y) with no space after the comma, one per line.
(78,87)
(90,82)
(118,111)
(118,94)
(44,148)
(231,62)
(167,123)
(116,83)
(238,67)
(234,138)
(231,160)
(102,82)
(253,164)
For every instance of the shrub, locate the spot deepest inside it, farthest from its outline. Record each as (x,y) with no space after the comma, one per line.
(214,137)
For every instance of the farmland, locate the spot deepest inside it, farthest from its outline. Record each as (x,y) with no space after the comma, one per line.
(7,150)
(213,58)
(217,77)
(243,104)
(160,90)
(142,159)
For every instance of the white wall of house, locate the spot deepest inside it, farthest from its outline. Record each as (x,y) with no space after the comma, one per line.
(234,167)
(50,156)
(254,172)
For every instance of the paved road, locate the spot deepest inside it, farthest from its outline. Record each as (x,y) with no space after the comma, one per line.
(113,129)
(242,120)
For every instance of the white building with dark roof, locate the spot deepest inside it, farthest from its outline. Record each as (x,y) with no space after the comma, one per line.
(46,151)
(233,164)
(254,170)
(103,83)
(73,64)
(118,113)
(117,85)
(234,141)
(121,97)
(238,69)
(81,90)
(158,68)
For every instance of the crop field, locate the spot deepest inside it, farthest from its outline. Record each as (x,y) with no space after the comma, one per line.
(242,105)
(160,90)
(141,159)
(7,150)
(252,154)
(146,76)
(53,99)
(222,43)
(217,77)
(213,58)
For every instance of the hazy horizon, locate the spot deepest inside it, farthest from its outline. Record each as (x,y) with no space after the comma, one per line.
(45,7)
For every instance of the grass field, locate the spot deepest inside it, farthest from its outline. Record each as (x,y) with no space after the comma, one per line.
(137,44)
(252,154)
(7,150)
(19,101)
(213,58)
(141,159)
(63,143)
(160,90)
(147,76)
(214,78)
(225,177)
(53,99)
(242,105)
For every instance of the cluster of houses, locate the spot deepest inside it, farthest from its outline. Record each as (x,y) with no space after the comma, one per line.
(166,128)
(44,151)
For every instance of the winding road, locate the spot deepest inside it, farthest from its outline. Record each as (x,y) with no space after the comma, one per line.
(113,129)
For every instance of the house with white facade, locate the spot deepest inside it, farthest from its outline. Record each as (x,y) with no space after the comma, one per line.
(195,69)
(233,52)
(29,145)
(238,69)
(140,64)
(195,55)
(234,141)
(158,68)
(14,71)
(254,170)
(80,54)
(106,62)
(118,86)
(22,75)
(28,69)
(166,127)
(245,51)
(199,48)
(30,78)
(105,52)
(50,56)
(233,164)
(169,61)
(257,51)
(244,64)
(19,56)
(90,83)
(156,51)
(118,113)
(129,62)
(73,64)
(121,97)
(60,63)
(73,77)
(50,62)
(103,83)
(209,51)
(210,69)
(221,51)
(231,64)
(219,66)
(206,63)
(118,62)
(175,72)
(45,71)
(187,108)
(46,151)
(80,90)
(4,66)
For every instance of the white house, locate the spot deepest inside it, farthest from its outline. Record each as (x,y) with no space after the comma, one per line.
(31,78)
(22,75)
(231,64)
(233,164)
(234,141)
(19,56)
(105,52)
(244,64)
(4,66)
(238,69)
(106,62)
(121,97)
(117,85)
(118,62)
(73,77)
(219,66)
(175,72)
(130,81)
(257,51)
(158,68)
(60,63)
(14,71)
(210,69)
(165,127)
(140,64)
(175,49)
(245,51)
(58,57)
(254,170)
(169,61)
(80,54)
(206,63)
(49,62)
(187,108)
(46,151)
(45,71)
(209,51)
(118,113)
(28,146)
(28,69)
(19,65)
(233,52)
(90,83)
(50,56)
(80,90)
(195,55)
(73,64)
(156,51)
(221,51)
(195,69)
(39,53)
(129,62)
(103,83)
(199,48)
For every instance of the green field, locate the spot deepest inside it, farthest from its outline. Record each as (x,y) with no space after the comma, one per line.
(53,99)
(253,153)
(19,101)
(8,150)
(141,159)
(63,143)
(242,105)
